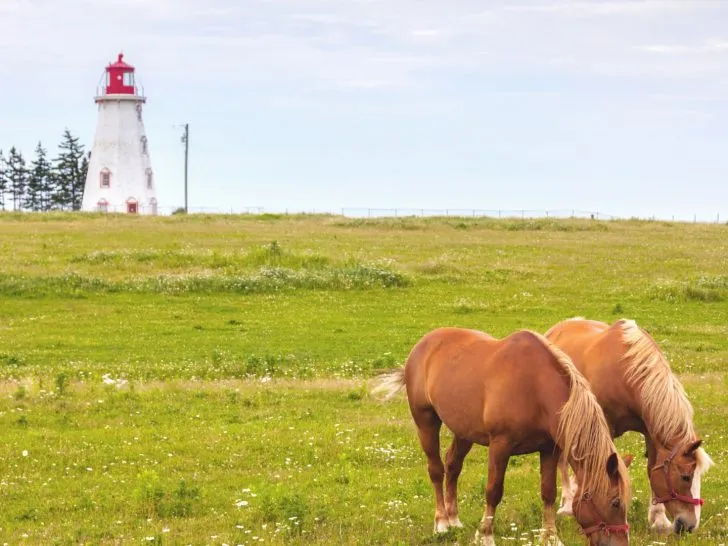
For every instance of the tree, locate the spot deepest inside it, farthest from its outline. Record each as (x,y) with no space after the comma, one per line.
(3,180)
(16,174)
(84,171)
(69,177)
(40,181)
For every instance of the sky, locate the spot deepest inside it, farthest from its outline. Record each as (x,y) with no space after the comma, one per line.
(613,106)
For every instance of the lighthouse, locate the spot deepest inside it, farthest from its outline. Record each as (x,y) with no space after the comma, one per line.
(120,176)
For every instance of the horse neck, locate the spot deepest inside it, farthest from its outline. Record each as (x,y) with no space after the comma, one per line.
(665,409)
(654,425)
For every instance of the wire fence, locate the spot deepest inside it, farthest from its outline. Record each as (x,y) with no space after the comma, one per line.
(373,212)
(367,212)
(475,213)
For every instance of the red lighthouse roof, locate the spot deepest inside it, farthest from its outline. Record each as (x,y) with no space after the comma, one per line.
(121,64)
(120,78)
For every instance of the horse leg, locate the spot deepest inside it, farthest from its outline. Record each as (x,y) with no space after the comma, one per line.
(656,515)
(568,488)
(453,465)
(498,455)
(428,429)
(549,464)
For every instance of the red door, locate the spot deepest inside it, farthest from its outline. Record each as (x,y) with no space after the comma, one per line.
(131,208)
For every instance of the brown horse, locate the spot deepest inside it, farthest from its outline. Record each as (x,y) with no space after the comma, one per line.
(517,395)
(633,382)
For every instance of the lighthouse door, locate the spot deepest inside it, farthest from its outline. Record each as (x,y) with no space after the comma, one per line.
(131,207)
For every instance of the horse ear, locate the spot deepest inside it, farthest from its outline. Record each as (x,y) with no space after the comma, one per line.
(693,447)
(613,466)
(628,458)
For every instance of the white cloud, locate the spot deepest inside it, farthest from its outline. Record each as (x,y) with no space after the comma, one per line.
(429,32)
(613,7)
(711,47)
(376,44)
(366,84)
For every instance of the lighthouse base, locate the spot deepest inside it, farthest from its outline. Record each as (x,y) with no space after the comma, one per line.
(130,206)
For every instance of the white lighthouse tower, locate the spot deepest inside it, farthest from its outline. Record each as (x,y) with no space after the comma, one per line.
(120,177)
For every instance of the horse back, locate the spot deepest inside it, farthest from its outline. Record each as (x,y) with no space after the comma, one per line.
(480,386)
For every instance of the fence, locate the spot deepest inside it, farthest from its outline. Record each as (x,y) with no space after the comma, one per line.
(406,212)
(475,213)
(371,212)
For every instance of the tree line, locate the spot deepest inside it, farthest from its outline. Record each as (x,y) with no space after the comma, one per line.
(44,183)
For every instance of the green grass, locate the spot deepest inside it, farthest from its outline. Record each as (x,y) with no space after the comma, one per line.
(197,363)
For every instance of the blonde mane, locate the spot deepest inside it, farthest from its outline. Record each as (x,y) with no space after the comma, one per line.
(667,410)
(583,433)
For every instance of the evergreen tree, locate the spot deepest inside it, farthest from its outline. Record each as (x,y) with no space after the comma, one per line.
(3,180)
(17,177)
(84,171)
(69,178)
(38,193)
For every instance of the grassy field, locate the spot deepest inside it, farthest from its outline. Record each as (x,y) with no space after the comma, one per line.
(202,379)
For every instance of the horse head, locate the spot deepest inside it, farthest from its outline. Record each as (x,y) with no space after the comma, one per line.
(602,514)
(675,480)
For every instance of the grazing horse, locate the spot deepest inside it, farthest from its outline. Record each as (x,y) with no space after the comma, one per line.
(516,395)
(633,382)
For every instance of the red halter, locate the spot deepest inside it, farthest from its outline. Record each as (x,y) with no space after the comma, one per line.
(673,495)
(602,526)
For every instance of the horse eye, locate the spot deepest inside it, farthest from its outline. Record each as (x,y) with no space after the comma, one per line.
(686,477)
(616,503)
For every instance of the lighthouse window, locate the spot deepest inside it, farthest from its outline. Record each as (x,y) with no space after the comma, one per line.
(102,206)
(105,178)
(139,111)
(149,178)
(144,144)
(128,78)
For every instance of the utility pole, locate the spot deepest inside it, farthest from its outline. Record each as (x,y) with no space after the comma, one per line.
(186,140)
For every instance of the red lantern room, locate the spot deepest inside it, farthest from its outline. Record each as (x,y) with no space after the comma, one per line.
(120,78)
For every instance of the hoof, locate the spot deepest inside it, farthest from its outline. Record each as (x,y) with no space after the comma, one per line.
(566,508)
(662,527)
(455,522)
(441,527)
(658,521)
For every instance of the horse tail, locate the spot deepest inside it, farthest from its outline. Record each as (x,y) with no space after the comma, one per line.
(388,384)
